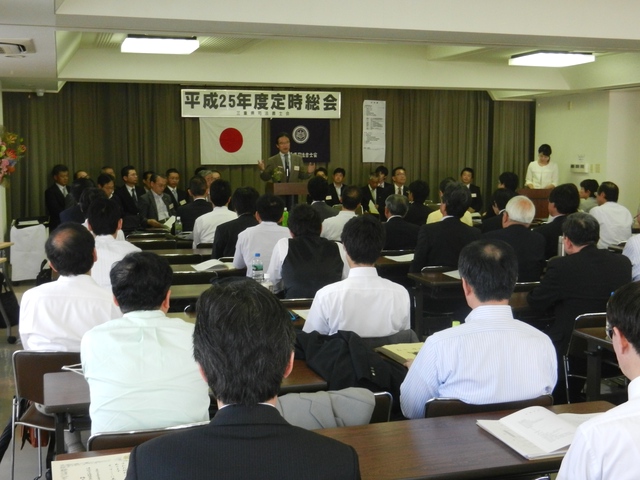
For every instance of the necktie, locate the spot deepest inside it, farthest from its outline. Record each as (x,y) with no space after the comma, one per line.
(287,169)
(398,190)
(133,194)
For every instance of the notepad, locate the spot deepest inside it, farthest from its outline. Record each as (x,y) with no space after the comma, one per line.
(401,352)
(211,264)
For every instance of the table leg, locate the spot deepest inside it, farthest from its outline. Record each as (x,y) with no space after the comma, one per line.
(594,371)
(60,421)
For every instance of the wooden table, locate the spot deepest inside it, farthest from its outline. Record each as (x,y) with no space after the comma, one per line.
(68,393)
(432,448)
(597,340)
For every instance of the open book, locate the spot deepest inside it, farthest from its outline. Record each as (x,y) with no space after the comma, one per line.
(112,467)
(536,432)
(211,264)
(401,352)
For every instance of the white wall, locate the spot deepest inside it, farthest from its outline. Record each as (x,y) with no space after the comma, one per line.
(602,126)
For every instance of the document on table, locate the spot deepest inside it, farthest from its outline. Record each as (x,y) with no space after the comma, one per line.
(536,432)
(400,258)
(104,467)
(211,264)
(453,274)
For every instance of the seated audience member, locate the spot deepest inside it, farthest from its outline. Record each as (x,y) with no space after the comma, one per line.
(104,222)
(106,183)
(318,189)
(607,446)
(336,187)
(156,206)
(467,176)
(632,252)
(321,172)
(204,229)
(581,282)
(74,213)
(247,438)
(400,234)
(370,195)
(363,303)
(507,181)
(614,219)
(440,243)
(482,361)
(198,206)
(418,211)
(128,196)
(108,169)
(226,236)
(399,177)
(178,196)
(146,179)
(437,215)
(529,246)
(264,236)
(384,189)
(588,190)
(563,201)
(56,197)
(332,227)
(140,367)
(499,202)
(80,174)
(302,265)
(55,315)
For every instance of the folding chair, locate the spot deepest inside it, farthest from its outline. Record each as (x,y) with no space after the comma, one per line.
(111,440)
(29,368)
(382,409)
(442,407)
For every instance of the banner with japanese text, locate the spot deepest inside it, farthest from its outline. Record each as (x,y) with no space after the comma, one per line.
(259,104)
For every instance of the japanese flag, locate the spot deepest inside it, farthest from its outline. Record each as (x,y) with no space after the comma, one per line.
(230,141)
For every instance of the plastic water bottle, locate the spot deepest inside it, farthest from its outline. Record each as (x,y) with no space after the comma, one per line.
(257,269)
(178,226)
(285,218)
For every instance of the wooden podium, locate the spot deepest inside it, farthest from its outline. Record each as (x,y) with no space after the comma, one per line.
(289,191)
(540,198)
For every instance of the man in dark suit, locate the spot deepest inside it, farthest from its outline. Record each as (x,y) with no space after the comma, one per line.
(563,200)
(440,243)
(529,246)
(466,177)
(178,196)
(336,187)
(75,213)
(400,234)
(198,206)
(508,181)
(243,202)
(156,206)
(291,166)
(580,282)
(318,189)
(499,201)
(383,191)
(370,195)
(247,438)
(399,177)
(128,196)
(55,196)
(418,211)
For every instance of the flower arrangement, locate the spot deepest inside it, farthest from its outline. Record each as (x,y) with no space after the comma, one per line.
(277,174)
(12,149)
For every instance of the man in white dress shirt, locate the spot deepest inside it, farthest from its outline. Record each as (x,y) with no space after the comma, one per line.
(56,315)
(608,446)
(140,368)
(482,361)
(332,226)
(614,219)
(104,221)
(204,228)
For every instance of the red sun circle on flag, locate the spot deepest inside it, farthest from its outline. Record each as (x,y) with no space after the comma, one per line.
(231,140)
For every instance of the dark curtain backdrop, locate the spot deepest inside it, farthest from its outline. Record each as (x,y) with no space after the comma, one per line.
(431,133)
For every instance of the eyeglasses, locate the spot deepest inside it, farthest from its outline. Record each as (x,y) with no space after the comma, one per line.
(609,330)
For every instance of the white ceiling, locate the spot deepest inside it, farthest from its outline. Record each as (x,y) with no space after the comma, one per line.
(458,44)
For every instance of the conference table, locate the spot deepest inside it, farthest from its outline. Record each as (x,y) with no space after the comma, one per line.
(432,448)
(67,393)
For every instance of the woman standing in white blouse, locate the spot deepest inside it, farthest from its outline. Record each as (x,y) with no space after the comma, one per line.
(543,173)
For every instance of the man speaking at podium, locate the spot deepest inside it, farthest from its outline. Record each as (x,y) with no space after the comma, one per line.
(284,166)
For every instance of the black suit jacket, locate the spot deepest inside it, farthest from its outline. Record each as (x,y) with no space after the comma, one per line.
(324,210)
(529,247)
(72,214)
(226,236)
(401,235)
(335,199)
(129,206)
(181,199)
(244,442)
(55,203)
(577,284)
(189,212)
(148,209)
(440,243)
(418,214)
(381,195)
(489,224)
(366,198)
(551,231)
(476,198)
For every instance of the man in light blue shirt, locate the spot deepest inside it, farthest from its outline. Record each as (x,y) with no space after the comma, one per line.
(492,357)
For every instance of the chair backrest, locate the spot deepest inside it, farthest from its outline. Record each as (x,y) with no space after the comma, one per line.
(110,440)
(525,286)
(395,253)
(154,244)
(382,409)
(588,320)
(302,303)
(441,407)
(205,245)
(30,366)
(437,268)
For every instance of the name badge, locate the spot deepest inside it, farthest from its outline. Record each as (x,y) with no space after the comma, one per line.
(474,195)
(171,205)
(183,202)
(296,168)
(328,197)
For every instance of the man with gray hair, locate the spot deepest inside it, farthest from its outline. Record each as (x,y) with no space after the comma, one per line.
(400,234)
(529,246)
(569,288)
(156,206)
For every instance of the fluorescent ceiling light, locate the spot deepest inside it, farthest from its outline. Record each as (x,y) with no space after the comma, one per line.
(551,59)
(171,46)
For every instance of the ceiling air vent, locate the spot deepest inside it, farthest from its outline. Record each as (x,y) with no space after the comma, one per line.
(16,46)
